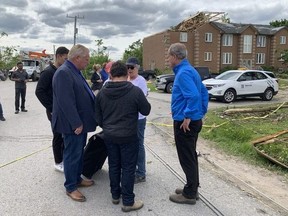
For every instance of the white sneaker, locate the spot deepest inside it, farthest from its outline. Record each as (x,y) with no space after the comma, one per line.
(59,167)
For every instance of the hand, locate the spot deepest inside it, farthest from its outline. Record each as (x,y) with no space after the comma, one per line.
(78,130)
(185,125)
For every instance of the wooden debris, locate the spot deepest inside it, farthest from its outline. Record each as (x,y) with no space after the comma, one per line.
(269,137)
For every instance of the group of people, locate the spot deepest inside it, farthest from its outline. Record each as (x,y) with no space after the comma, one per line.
(119,107)
(100,76)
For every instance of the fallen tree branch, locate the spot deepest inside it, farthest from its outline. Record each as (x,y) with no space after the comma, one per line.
(251,110)
(269,137)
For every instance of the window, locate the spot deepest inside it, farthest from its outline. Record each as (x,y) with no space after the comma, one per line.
(227,40)
(208,56)
(247,45)
(281,55)
(261,41)
(260,58)
(227,58)
(282,39)
(208,37)
(183,36)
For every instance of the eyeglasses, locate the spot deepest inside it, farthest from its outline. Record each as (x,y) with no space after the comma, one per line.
(130,67)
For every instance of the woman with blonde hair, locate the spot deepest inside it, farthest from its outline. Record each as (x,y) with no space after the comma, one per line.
(96,79)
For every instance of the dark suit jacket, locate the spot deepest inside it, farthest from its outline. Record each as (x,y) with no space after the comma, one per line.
(73,106)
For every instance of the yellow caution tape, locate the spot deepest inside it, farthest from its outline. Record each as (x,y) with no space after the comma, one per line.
(21,158)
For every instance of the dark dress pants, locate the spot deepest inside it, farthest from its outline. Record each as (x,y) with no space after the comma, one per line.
(57,143)
(20,92)
(186,150)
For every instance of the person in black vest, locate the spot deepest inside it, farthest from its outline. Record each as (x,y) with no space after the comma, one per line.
(44,93)
(20,76)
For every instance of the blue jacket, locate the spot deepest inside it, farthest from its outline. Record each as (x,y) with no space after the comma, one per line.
(73,101)
(189,96)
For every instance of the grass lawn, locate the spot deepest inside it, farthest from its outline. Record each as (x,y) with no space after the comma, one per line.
(235,133)
(151,86)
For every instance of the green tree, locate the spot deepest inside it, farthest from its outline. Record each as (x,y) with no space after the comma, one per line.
(135,50)
(284,56)
(3,34)
(7,58)
(279,23)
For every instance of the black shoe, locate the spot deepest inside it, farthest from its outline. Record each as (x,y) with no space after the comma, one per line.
(2,119)
(24,110)
(17,111)
(180,191)
(139,179)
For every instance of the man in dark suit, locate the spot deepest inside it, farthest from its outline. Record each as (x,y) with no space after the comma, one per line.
(73,116)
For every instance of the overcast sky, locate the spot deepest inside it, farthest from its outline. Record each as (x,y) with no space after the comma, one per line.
(40,24)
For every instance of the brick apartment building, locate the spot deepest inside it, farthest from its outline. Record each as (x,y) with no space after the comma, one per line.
(218,45)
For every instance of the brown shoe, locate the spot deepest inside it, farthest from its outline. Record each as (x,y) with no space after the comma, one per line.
(179,198)
(180,191)
(86,183)
(137,205)
(76,195)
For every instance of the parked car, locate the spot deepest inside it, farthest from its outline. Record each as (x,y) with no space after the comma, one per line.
(232,84)
(3,74)
(165,82)
(147,74)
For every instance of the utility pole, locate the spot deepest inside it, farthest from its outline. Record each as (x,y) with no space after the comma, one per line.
(75,22)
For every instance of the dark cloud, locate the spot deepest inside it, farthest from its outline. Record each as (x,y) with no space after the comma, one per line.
(13,24)
(15,3)
(113,19)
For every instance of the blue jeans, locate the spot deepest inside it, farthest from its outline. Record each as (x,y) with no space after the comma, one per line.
(141,162)
(73,159)
(122,160)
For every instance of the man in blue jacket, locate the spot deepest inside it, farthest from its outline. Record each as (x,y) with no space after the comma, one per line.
(73,116)
(189,105)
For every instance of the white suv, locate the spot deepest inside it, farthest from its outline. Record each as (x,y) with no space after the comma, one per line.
(242,83)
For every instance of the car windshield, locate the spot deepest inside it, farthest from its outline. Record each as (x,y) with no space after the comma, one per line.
(270,74)
(229,75)
(28,63)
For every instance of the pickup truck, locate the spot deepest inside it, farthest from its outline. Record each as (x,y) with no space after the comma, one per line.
(147,74)
(165,82)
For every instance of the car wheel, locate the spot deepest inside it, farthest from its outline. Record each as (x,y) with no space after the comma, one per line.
(34,77)
(229,96)
(268,94)
(169,87)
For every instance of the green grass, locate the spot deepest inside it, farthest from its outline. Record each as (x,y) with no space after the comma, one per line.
(283,83)
(234,134)
(151,86)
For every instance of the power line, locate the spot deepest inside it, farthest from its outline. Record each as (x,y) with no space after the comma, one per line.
(75,23)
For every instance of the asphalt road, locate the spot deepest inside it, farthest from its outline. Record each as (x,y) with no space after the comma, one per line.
(30,185)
